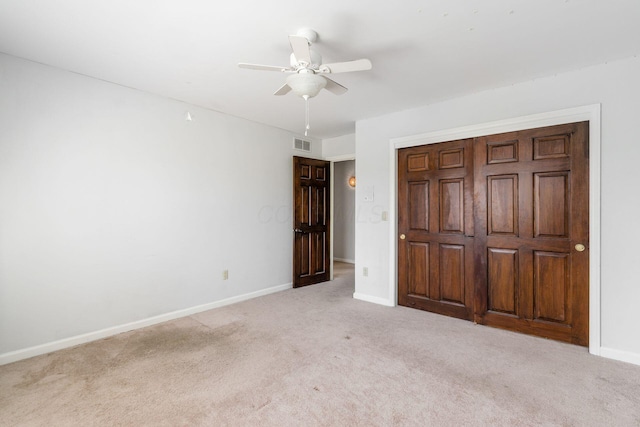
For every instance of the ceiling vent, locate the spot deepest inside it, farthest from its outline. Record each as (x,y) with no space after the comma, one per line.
(302,144)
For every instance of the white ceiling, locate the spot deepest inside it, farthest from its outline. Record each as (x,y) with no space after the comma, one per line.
(422,51)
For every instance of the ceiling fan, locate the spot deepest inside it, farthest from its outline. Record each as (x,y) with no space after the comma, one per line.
(308,73)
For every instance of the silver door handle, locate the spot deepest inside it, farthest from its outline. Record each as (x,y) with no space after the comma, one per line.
(297,230)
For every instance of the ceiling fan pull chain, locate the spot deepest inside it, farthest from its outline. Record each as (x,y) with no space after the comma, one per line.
(306,116)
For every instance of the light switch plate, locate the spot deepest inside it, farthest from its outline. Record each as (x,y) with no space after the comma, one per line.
(367,194)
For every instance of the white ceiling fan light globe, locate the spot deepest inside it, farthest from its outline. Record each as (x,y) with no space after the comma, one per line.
(306,84)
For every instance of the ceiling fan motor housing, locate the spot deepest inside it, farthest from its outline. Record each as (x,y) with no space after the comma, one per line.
(316,60)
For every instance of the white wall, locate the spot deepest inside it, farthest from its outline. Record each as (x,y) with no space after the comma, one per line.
(344,218)
(114,208)
(617,87)
(339,148)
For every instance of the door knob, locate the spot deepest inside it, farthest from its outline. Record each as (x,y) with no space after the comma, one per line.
(580,247)
(402,237)
(297,230)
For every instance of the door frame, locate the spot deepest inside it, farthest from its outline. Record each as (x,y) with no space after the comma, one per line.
(333,160)
(590,113)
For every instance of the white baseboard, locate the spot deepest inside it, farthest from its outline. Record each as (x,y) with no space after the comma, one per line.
(348,261)
(375,300)
(623,356)
(14,356)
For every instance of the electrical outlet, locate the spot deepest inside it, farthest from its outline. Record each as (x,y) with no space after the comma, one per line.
(225,275)
(365,271)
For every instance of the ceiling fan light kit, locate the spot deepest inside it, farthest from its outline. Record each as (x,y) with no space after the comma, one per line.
(306,67)
(306,85)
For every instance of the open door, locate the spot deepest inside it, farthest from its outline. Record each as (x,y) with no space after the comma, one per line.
(311,219)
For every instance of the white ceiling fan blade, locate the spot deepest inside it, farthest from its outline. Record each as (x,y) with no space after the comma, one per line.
(345,67)
(300,47)
(264,67)
(285,89)
(334,87)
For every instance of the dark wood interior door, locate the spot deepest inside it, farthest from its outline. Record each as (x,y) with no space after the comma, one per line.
(435,228)
(311,221)
(496,230)
(532,231)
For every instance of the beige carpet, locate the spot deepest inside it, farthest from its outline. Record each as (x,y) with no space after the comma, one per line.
(315,356)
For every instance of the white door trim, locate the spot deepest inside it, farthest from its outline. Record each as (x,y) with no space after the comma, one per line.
(589,113)
(333,160)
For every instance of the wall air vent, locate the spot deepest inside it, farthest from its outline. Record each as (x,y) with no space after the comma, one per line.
(302,144)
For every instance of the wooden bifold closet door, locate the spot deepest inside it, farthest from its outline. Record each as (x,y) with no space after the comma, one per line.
(495,229)
(435,227)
